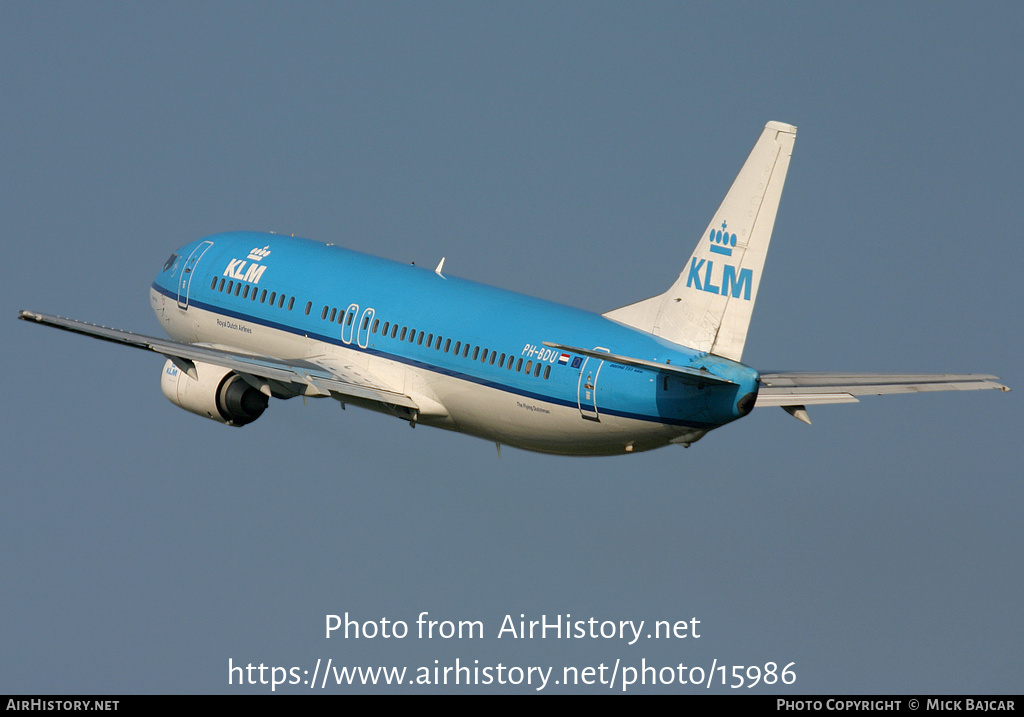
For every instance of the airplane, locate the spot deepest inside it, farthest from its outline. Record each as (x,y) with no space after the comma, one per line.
(254,316)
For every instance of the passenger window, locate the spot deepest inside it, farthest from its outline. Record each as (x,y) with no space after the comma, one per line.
(447,345)
(221,287)
(245,294)
(273,296)
(476,352)
(309,306)
(334,311)
(529,365)
(419,339)
(323,314)
(394,330)
(291,302)
(238,288)
(536,371)
(437,344)
(519,365)
(458,345)
(280,302)
(376,323)
(213,285)
(547,372)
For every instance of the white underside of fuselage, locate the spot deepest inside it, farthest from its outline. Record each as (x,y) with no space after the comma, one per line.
(449,402)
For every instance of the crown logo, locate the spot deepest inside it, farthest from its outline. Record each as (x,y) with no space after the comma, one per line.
(722,241)
(258,254)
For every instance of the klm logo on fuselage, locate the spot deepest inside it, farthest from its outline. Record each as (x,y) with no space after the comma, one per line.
(258,254)
(250,271)
(724,278)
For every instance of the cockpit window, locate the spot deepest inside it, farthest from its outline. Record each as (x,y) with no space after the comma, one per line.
(170,261)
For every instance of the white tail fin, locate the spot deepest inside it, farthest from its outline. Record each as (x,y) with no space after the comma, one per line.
(710,305)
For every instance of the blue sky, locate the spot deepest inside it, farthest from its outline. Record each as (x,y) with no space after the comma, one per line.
(575,152)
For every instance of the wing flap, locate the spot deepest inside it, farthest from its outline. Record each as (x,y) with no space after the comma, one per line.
(765,397)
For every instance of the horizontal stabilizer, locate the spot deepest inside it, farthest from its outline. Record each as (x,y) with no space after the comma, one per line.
(791,389)
(691,375)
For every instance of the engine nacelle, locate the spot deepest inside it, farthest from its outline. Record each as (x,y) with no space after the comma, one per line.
(218,393)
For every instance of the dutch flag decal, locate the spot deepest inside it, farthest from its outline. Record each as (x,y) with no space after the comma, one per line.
(563,359)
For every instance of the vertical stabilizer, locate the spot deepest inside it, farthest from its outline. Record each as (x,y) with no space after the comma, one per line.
(709,306)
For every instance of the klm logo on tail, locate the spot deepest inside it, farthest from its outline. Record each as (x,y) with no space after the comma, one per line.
(726,279)
(722,241)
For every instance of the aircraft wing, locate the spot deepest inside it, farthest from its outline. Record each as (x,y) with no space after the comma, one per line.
(311,378)
(804,389)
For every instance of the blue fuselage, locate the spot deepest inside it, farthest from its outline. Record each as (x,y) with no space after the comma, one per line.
(472,348)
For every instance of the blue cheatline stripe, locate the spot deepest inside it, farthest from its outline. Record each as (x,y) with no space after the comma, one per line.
(291,329)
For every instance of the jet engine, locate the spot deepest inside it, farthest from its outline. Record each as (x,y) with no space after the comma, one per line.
(216,393)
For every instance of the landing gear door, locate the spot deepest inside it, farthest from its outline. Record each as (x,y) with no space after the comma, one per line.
(185,278)
(586,388)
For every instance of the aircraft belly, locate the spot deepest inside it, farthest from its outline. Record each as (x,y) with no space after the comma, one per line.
(537,425)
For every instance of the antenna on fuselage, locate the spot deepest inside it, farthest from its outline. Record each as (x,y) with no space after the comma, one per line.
(440,265)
